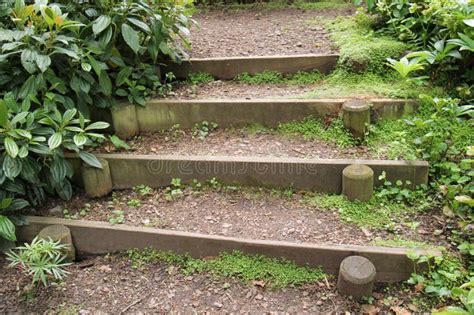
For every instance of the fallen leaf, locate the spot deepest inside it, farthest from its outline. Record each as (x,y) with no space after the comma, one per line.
(259,283)
(400,310)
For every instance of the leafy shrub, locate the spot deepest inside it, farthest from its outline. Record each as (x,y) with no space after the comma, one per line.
(41,260)
(33,139)
(101,50)
(442,29)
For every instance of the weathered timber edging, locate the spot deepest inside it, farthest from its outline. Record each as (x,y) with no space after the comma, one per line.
(94,238)
(226,68)
(159,114)
(320,175)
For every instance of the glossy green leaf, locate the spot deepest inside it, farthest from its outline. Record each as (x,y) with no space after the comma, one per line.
(100,24)
(11,147)
(131,37)
(7,229)
(90,159)
(55,140)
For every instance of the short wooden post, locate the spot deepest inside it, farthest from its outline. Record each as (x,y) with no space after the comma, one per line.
(356,117)
(97,181)
(358,182)
(62,234)
(125,121)
(356,277)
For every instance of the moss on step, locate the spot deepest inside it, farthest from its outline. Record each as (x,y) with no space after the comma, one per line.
(275,273)
(360,49)
(378,213)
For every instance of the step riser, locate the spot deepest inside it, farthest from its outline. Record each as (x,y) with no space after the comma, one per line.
(228,68)
(323,176)
(158,115)
(95,238)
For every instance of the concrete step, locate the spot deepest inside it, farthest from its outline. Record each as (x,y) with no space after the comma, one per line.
(226,68)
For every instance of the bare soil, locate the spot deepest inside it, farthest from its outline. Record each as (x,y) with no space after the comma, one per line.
(239,212)
(238,142)
(224,33)
(109,285)
(235,90)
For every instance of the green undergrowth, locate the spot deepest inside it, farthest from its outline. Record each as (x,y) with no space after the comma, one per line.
(343,83)
(281,4)
(396,139)
(273,77)
(360,49)
(275,273)
(315,129)
(378,213)
(199,78)
(401,242)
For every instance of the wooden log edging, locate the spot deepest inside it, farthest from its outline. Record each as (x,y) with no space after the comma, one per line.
(96,238)
(321,175)
(159,114)
(226,68)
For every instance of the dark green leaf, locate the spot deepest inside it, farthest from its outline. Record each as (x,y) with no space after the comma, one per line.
(131,37)
(90,159)
(7,229)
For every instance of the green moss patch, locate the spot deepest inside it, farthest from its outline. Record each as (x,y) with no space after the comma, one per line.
(273,77)
(378,213)
(276,273)
(360,49)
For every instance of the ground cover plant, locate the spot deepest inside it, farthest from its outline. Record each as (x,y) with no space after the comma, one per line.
(274,273)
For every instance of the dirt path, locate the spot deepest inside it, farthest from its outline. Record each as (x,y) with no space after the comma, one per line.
(288,31)
(109,285)
(239,143)
(234,90)
(236,212)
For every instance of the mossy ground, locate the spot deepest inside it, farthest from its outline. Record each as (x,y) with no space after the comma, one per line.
(281,4)
(275,273)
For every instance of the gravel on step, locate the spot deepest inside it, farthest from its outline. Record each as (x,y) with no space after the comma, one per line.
(238,142)
(243,212)
(235,90)
(287,31)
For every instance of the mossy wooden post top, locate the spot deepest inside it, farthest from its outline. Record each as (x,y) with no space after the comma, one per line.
(356,105)
(358,171)
(356,277)
(358,269)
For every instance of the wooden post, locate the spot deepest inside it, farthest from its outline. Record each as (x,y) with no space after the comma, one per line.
(124,120)
(97,181)
(356,277)
(358,182)
(356,117)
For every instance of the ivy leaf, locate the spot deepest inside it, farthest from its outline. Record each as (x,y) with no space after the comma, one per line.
(131,37)
(7,229)
(90,159)
(100,24)
(55,140)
